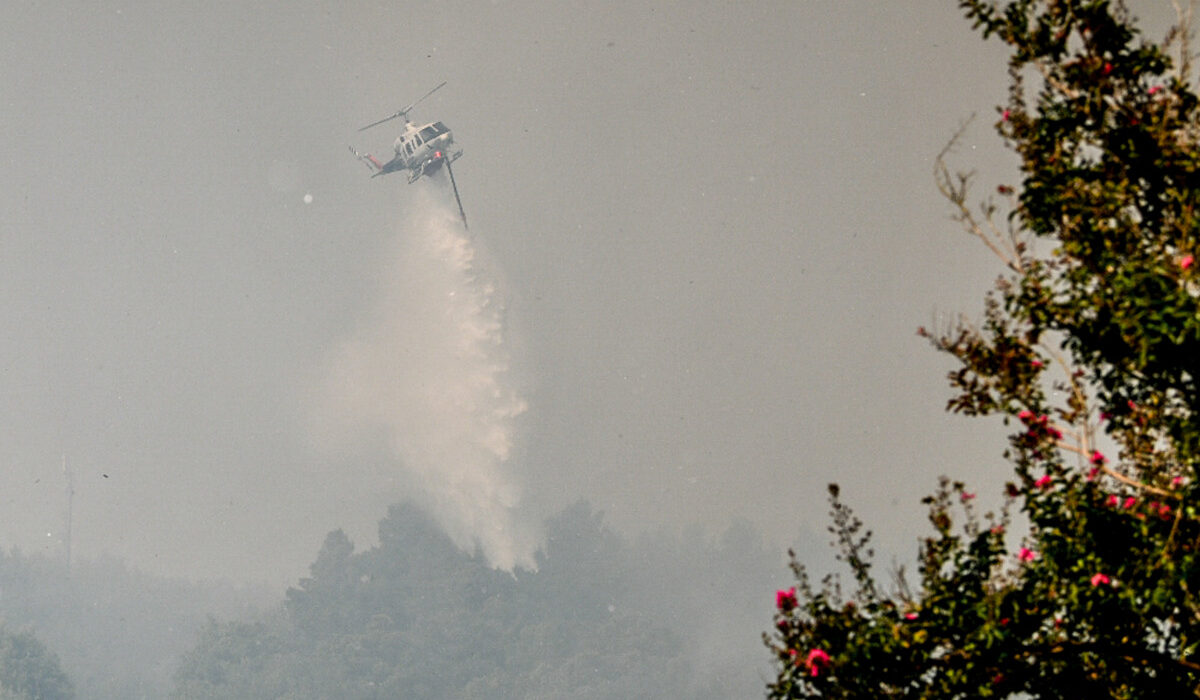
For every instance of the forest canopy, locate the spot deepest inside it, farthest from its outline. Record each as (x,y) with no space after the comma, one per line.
(416,617)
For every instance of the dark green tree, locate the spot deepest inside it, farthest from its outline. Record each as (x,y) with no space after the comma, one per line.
(325,599)
(416,617)
(1090,348)
(28,670)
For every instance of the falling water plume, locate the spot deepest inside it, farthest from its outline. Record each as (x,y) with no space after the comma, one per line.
(431,371)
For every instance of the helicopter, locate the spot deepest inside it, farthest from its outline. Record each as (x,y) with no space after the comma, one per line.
(420,150)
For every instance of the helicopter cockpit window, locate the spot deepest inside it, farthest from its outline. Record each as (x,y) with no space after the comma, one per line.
(431,132)
(408,147)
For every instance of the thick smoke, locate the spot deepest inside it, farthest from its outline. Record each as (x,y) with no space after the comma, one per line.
(430,370)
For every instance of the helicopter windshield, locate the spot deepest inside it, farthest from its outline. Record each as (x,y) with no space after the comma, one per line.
(433,131)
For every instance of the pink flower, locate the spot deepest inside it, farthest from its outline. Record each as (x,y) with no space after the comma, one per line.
(1129,501)
(1092,473)
(1105,415)
(1154,90)
(1164,511)
(1177,481)
(1025,415)
(966,496)
(1112,500)
(1054,432)
(1100,579)
(1107,68)
(1043,482)
(1026,554)
(785,599)
(1186,262)
(1098,459)
(817,660)
(1037,364)
(911,616)
(1005,115)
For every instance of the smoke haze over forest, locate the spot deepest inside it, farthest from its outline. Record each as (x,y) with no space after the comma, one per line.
(703,236)
(702,240)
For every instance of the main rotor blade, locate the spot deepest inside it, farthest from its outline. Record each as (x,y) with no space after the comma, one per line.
(408,109)
(385,119)
(404,112)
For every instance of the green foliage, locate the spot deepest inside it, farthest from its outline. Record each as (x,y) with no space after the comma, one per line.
(415,617)
(118,632)
(28,670)
(1090,346)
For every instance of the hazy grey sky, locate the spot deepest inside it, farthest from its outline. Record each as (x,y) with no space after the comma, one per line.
(714,225)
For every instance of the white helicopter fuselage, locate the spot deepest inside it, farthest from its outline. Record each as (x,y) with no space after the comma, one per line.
(422,149)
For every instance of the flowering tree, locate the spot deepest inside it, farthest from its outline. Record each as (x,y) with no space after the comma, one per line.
(1090,349)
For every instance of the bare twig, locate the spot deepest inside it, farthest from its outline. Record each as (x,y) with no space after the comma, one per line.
(1054,82)
(1182,32)
(954,188)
